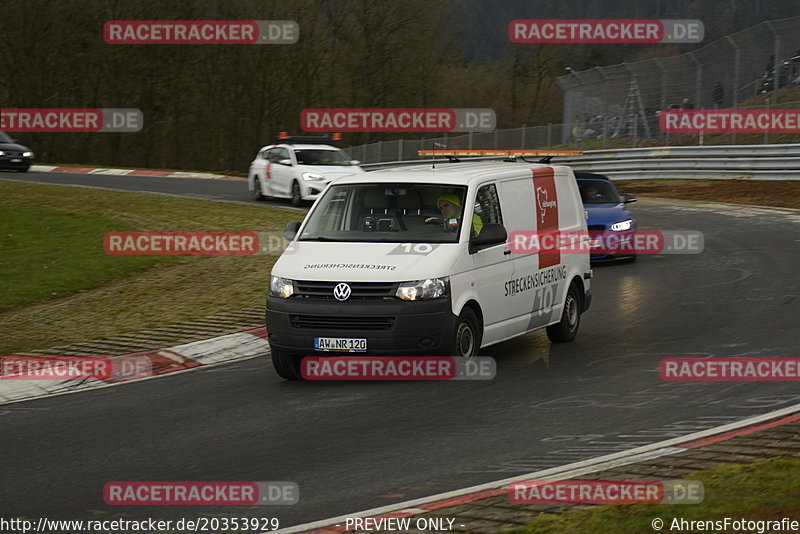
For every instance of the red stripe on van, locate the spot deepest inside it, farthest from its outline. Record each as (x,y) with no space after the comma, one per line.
(544,191)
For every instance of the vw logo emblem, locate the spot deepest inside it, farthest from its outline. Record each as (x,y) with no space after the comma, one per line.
(341,291)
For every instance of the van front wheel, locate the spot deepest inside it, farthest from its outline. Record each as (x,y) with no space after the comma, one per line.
(567,328)
(286,365)
(466,339)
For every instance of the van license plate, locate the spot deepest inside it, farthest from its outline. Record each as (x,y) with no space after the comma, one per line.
(16,160)
(340,344)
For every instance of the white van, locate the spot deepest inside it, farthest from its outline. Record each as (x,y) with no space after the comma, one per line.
(382,265)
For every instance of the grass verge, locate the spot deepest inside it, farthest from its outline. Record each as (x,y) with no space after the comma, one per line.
(768,490)
(45,253)
(60,287)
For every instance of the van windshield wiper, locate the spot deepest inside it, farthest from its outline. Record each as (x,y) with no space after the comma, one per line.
(324,238)
(318,238)
(364,239)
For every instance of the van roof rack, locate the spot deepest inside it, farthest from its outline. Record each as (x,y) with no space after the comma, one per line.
(511,155)
(327,139)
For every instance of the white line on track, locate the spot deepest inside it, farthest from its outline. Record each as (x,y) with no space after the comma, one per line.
(646,452)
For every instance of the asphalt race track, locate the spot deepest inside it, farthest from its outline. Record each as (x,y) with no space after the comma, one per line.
(353,446)
(228,190)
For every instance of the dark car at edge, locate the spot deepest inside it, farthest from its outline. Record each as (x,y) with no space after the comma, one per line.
(14,156)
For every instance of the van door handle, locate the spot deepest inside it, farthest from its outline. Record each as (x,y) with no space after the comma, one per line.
(506,252)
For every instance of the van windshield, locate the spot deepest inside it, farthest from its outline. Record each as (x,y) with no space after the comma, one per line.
(387,212)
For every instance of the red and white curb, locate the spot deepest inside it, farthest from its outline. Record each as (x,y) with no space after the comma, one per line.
(133,172)
(432,503)
(231,347)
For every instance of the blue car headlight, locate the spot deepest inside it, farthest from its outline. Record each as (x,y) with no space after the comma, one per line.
(622,225)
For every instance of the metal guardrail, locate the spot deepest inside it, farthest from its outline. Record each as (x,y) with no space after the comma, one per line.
(756,162)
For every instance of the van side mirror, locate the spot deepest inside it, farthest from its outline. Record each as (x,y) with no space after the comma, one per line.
(627,199)
(286,162)
(490,235)
(290,232)
(355,162)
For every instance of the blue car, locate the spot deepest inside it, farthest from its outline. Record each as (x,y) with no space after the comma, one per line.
(609,219)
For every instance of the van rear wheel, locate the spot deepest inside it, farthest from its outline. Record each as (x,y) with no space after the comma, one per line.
(286,365)
(567,328)
(466,339)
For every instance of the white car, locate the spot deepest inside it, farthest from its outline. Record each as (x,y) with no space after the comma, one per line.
(298,171)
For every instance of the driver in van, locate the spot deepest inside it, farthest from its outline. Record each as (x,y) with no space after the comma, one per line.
(450,206)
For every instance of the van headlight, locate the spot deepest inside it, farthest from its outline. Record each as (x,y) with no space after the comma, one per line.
(622,225)
(311,177)
(281,287)
(27,154)
(430,288)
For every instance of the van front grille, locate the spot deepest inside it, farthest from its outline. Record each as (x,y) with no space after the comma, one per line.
(358,290)
(341,322)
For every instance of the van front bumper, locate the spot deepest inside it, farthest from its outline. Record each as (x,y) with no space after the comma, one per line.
(391,327)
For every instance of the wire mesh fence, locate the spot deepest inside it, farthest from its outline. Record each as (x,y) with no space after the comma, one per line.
(760,59)
(617,106)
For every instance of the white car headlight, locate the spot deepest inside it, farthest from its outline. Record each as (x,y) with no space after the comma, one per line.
(430,288)
(27,154)
(622,225)
(311,177)
(281,287)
